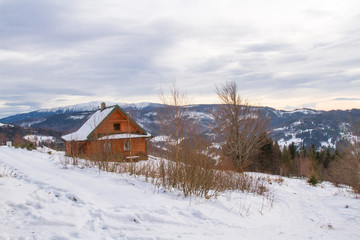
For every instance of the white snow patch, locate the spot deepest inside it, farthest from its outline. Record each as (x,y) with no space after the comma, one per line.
(328,144)
(41,198)
(6,125)
(200,115)
(161,138)
(350,137)
(306,111)
(296,123)
(29,124)
(280,129)
(297,141)
(149,114)
(39,139)
(344,127)
(77,117)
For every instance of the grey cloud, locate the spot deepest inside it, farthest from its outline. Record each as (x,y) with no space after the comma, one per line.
(9,111)
(15,107)
(347,99)
(239,72)
(323,45)
(267,47)
(26,16)
(316,13)
(293,58)
(113,67)
(110,57)
(118,59)
(32,21)
(29,98)
(212,64)
(256,77)
(316,80)
(33,104)
(288,107)
(309,105)
(26,90)
(353,61)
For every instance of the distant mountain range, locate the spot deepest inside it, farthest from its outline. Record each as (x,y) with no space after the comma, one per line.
(301,126)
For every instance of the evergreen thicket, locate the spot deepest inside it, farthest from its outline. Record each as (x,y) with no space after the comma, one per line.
(291,161)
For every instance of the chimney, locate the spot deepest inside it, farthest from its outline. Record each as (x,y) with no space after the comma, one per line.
(103,106)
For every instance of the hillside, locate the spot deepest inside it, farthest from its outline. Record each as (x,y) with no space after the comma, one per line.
(302,126)
(43,198)
(16,133)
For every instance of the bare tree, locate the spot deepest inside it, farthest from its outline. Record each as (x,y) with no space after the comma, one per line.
(173,119)
(346,167)
(239,126)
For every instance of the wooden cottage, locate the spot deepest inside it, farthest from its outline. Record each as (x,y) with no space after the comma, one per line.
(108,132)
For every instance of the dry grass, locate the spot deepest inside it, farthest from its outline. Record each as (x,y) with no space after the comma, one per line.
(191,179)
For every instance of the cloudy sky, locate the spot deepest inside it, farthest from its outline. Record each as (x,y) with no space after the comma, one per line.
(283,54)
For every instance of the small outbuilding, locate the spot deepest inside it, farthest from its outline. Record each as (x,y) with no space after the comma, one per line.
(110,131)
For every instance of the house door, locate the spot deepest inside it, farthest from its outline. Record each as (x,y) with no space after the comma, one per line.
(107,147)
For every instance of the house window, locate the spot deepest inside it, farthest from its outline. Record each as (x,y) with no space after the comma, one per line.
(107,147)
(116,126)
(127,146)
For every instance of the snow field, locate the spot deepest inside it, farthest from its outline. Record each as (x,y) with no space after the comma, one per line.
(37,139)
(41,198)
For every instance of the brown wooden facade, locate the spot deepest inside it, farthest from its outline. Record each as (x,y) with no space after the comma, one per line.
(117,135)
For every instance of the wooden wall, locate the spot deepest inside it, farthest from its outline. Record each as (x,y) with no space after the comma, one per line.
(107,127)
(92,148)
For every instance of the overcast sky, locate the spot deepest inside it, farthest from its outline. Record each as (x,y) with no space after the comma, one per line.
(282,53)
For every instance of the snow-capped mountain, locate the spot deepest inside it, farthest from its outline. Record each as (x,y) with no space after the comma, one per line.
(95,105)
(301,126)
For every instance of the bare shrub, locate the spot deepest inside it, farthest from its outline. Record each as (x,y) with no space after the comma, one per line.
(201,180)
(195,176)
(303,167)
(346,168)
(190,169)
(279,180)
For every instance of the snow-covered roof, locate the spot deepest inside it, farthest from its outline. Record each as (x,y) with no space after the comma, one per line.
(125,135)
(89,126)
(93,122)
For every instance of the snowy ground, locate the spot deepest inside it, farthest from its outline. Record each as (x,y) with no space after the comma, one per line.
(37,139)
(40,198)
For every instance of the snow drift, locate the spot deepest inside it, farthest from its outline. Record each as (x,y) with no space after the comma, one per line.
(41,198)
